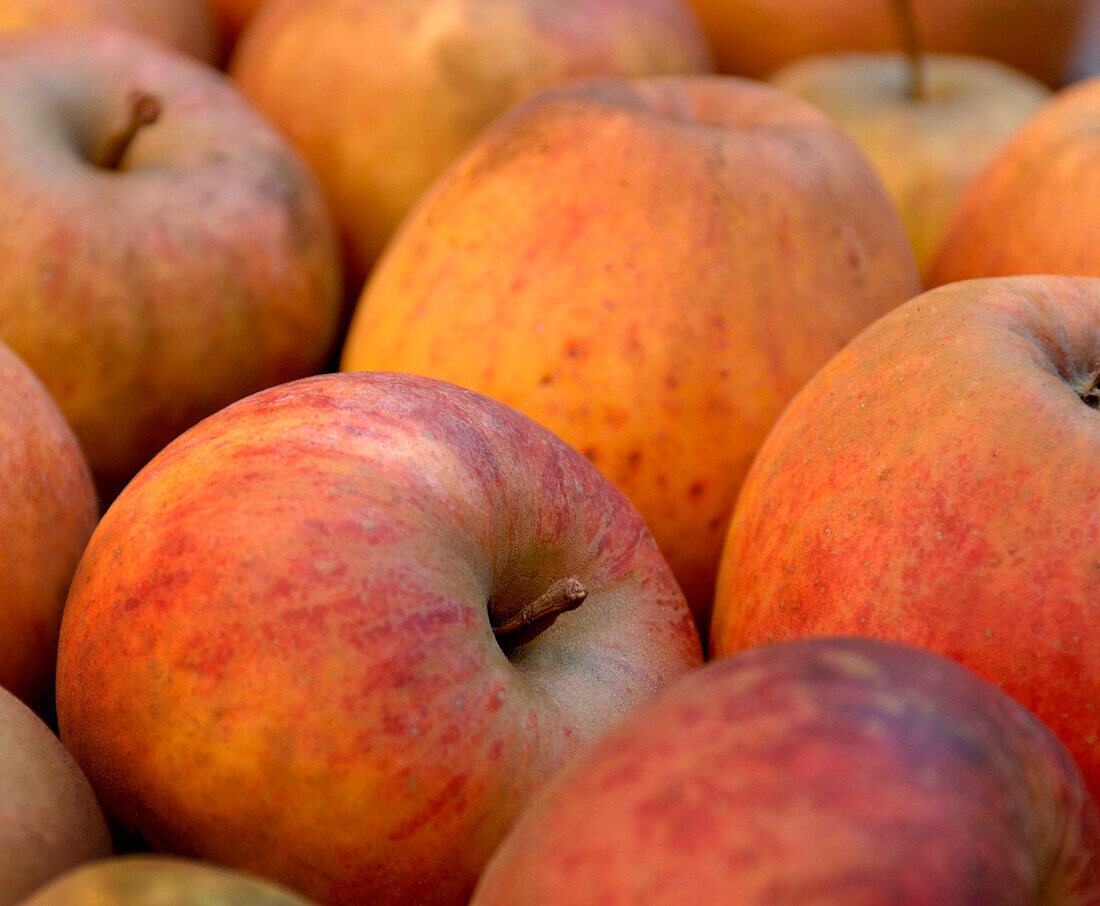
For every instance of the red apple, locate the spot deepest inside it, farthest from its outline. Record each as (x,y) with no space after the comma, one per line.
(149,880)
(187,25)
(832,772)
(152,278)
(938,483)
(381,95)
(323,637)
(50,821)
(48,509)
(651,268)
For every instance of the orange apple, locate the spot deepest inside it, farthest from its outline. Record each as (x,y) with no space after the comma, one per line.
(757,37)
(1035,208)
(381,95)
(186,25)
(48,510)
(832,772)
(938,483)
(149,880)
(167,250)
(929,131)
(50,820)
(651,268)
(339,632)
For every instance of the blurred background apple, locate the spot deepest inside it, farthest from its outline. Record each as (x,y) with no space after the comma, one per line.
(1035,207)
(142,879)
(50,821)
(174,251)
(757,37)
(187,25)
(48,510)
(381,95)
(928,122)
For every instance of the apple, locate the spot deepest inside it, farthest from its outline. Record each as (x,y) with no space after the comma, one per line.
(50,820)
(174,251)
(231,16)
(187,25)
(48,509)
(381,95)
(337,634)
(837,772)
(929,124)
(756,37)
(1033,209)
(936,483)
(651,268)
(143,879)
(1085,58)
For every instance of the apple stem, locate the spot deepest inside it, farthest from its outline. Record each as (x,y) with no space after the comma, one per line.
(518,629)
(910,37)
(1091,393)
(145,109)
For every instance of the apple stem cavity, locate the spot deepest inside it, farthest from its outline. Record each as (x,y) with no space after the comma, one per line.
(145,109)
(1091,393)
(910,37)
(519,628)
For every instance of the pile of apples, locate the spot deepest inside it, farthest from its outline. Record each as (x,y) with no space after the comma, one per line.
(549,452)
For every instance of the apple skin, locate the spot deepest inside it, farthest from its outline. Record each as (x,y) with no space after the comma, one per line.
(149,880)
(831,772)
(927,149)
(50,821)
(1033,208)
(381,95)
(186,25)
(651,268)
(232,15)
(205,268)
(277,656)
(756,37)
(936,483)
(48,509)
